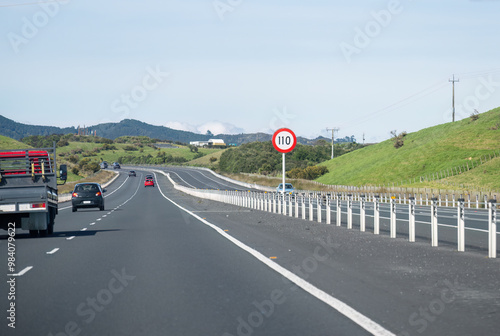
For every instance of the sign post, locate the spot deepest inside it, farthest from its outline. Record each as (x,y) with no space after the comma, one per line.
(284,141)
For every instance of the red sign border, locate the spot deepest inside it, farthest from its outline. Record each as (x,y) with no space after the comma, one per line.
(294,140)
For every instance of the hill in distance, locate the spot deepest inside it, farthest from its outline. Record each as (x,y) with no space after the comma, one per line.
(130,127)
(9,143)
(431,150)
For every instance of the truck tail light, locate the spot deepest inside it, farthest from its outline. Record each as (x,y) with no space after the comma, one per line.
(38,205)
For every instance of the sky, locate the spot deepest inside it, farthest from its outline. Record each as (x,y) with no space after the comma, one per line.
(365,68)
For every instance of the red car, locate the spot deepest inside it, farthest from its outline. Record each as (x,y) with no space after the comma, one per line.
(149,182)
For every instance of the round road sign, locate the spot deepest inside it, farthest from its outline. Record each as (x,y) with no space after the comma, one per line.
(284,140)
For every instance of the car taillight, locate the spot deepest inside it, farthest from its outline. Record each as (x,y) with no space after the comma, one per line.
(75,194)
(98,193)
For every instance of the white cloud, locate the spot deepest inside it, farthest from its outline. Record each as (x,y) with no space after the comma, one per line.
(216,127)
(181,126)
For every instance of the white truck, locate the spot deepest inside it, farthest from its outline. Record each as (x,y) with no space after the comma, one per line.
(28,189)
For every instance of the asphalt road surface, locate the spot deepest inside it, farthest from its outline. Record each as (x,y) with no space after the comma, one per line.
(159,262)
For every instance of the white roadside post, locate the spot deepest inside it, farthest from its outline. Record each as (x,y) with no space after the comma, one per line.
(349,211)
(393,217)
(411,211)
(328,210)
(339,210)
(284,199)
(362,211)
(275,209)
(461,225)
(434,222)
(311,208)
(320,206)
(303,206)
(492,235)
(296,198)
(290,205)
(376,214)
(278,196)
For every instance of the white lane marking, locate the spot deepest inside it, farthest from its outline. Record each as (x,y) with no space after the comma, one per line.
(24,271)
(341,307)
(92,223)
(53,251)
(104,216)
(84,229)
(192,186)
(111,193)
(70,238)
(98,219)
(218,182)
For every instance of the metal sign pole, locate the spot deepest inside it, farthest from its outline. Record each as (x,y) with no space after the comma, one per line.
(283,185)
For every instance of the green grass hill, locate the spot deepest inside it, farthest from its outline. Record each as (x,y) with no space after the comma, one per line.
(8,143)
(431,153)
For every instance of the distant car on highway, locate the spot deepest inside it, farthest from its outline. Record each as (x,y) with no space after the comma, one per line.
(289,189)
(87,195)
(104,165)
(149,182)
(132,173)
(116,165)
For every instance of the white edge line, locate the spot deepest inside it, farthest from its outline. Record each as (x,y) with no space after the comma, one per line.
(69,238)
(341,307)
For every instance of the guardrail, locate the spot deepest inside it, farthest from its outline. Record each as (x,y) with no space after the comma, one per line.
(312,206)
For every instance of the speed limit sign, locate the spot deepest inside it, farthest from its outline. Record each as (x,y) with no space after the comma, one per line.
(284,140)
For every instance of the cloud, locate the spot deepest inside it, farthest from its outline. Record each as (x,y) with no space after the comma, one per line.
(216,127)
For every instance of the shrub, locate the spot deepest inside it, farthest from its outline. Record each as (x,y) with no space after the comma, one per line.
(73,158)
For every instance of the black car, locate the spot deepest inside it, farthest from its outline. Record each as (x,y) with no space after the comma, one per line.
(87,195)
(132,173)
(116,165)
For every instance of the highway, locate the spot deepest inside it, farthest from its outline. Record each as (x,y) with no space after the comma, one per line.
(160,262)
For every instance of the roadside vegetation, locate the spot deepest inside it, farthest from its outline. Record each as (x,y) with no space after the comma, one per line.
(262,158)
(83,154)
(463,154)
(8,143)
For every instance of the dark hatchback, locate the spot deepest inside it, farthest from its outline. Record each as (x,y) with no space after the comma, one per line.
(87,195)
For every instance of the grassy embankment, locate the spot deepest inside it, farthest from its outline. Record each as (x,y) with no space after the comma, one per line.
(429,156)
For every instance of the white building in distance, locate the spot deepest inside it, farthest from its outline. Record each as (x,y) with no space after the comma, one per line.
(210,142)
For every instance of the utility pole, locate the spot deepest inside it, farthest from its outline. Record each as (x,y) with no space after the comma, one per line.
(453,81)
(333,137)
